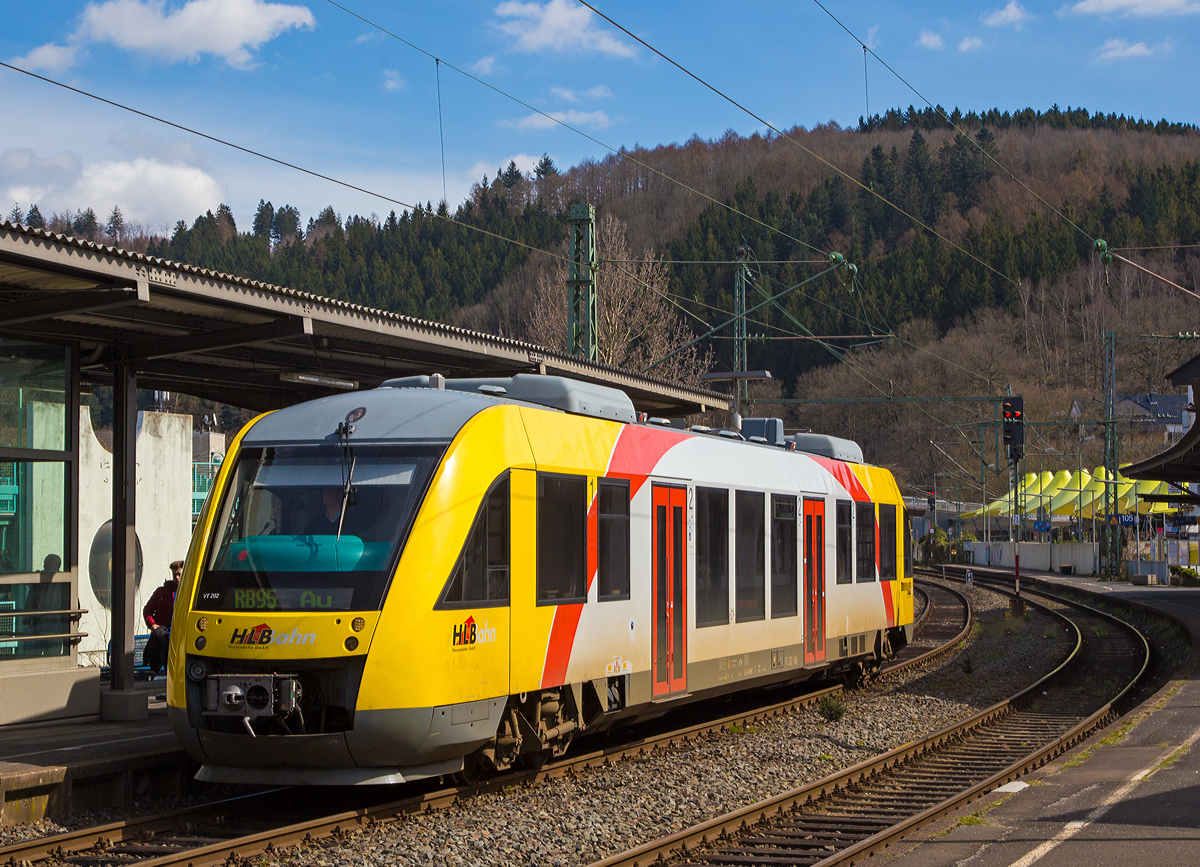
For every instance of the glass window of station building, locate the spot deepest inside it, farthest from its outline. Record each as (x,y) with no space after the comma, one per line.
(39,412)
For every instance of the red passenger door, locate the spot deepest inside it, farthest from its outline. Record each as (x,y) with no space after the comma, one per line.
(670,582)
(814,581)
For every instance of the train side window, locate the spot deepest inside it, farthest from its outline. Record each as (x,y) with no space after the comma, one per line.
(751,556)
(908,546)
(480,578)
(865,531)
(612,542)
(712,556)
(561,539)
(783,556)
(887,542)
(845,553)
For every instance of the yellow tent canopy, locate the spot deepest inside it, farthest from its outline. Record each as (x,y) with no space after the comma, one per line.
(1066,501)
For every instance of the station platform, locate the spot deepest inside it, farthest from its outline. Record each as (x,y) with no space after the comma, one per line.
(62,769)
(1130,794)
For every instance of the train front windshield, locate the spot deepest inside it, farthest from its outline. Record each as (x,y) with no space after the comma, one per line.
(313,528)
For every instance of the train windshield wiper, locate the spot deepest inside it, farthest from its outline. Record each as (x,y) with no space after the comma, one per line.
(346,489)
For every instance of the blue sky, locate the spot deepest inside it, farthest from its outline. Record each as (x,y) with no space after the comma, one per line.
(308,83)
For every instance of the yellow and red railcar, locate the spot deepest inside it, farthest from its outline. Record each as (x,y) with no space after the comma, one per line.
(440,577)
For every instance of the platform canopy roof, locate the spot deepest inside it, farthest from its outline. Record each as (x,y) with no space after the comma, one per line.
(255,345)
(1180,463)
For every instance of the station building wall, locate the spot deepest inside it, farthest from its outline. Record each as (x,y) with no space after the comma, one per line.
(164,518)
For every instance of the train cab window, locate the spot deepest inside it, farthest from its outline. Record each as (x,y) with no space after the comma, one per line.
(908,546)
(751,556)
(783,556)
(712,556)
(845,551)
(887,542)
(865,531)
(313,528)
(561,539)
(480,577)
(612,541)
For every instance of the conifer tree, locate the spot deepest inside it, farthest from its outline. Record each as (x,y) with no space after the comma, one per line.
(34,218)
(264,218)
(512,175)
(114,227)
(286,225)
(15,216)
(86,225)
(544,169)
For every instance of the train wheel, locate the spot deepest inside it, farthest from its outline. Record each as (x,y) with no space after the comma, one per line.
(535,761)
(471,773)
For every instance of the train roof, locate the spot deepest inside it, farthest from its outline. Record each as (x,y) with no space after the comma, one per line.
(434,409)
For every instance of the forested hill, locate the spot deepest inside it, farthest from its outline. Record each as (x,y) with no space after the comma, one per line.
(1131,182)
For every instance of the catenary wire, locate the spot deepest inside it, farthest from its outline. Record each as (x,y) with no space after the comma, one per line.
(638,162)
(321,176)
(276,160)
(980,147)
(437,66)
(804,148)
(621,154)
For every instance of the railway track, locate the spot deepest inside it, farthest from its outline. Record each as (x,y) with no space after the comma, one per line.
(249,825)
(861,810)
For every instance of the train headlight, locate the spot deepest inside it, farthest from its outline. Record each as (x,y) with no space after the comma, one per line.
(352,643)
(358,624)
(197,670)
(200,642)
(202,624)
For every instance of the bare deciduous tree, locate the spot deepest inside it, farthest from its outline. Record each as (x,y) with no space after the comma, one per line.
(637,324)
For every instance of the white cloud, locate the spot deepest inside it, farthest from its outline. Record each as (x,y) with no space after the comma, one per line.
(871,37)
(1013,14)
(1121,49)
(592,119)
(559,25)
(484,65)
(146,190)
(230,29)
(600,91)
(49,58)
(134,141)
(57,170)
(392,80)
(929,39)
(1138,8)
(525,162)
(970,43)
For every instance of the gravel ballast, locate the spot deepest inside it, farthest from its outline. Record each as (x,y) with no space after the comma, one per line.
(601,811)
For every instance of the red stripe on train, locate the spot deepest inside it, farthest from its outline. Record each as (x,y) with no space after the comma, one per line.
(635,455)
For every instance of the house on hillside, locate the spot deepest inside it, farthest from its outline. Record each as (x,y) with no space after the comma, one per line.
(1154,413)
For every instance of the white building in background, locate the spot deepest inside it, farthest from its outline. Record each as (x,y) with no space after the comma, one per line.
(164,518)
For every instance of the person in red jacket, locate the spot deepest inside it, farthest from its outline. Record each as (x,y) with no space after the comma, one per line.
(157,614)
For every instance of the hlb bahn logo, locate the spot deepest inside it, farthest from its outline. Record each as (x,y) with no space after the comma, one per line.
(469,633)
(262,635)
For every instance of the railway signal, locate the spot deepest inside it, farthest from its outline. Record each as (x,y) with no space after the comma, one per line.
(1014,425)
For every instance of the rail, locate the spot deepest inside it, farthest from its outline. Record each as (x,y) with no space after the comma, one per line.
(122,840)
(686,843)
